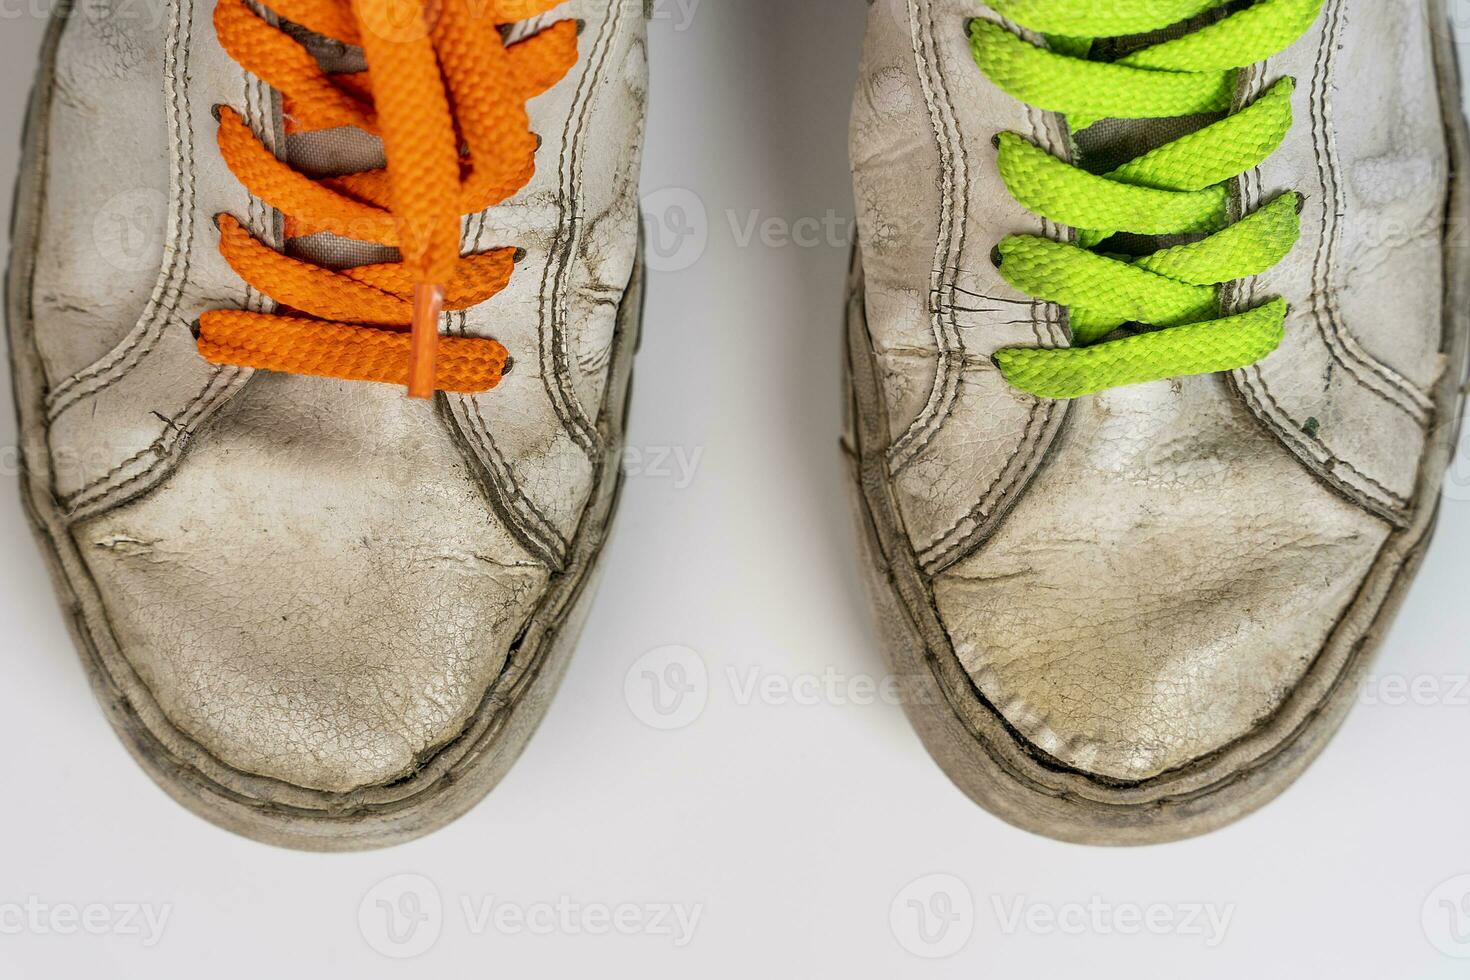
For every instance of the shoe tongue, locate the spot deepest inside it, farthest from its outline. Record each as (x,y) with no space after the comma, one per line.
(349,150)
(1110,143)
(334,153)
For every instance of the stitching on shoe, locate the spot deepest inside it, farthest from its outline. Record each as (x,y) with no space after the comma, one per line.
(1255,390)
(1351,356)
(537,531)
(1375,497)
(1252,383)
(954,205)
(543,529)
(92,499)
(1340,345)
(554,357)
(935,561)
(1033,444)
(144,337)
(525,519)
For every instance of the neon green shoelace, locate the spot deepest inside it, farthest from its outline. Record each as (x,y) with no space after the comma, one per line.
(1181,189)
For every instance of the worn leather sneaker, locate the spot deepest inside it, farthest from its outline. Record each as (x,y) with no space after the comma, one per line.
(320,612)
(1157,335)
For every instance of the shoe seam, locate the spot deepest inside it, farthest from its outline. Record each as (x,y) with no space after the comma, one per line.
(954,210)
(524,516)
(560,387)
(1252,383)
(1035,441)
(174,277)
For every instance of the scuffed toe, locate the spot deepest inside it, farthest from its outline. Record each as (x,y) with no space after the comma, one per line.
(1161,589)
(329,625)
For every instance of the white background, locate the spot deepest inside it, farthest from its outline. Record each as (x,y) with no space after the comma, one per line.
(796,829)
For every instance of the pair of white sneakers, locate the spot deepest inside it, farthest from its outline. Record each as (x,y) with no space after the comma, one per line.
(1155,352)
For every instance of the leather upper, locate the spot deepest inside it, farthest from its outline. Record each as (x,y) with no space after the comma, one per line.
(1137,579)
(317,580)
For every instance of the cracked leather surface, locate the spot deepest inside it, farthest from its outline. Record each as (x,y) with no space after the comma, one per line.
(1138,579)
(317,580)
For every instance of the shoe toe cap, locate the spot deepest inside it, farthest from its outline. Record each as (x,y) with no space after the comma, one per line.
(312,615)
(1150,601)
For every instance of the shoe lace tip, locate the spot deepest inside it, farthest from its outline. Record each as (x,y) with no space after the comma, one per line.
(428,306)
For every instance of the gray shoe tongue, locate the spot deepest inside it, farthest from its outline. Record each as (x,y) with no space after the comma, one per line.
(334,153)
(348,150)
(1110,143)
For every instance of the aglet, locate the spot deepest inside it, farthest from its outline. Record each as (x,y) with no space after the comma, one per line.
(428,306)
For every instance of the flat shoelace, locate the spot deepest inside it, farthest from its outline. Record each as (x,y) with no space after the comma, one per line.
(447,96)
(1179,189)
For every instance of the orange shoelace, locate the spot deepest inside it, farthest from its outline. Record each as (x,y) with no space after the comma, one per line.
(447,96)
